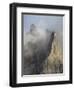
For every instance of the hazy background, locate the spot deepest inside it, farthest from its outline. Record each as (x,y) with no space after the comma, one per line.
(50,22)
(45,22)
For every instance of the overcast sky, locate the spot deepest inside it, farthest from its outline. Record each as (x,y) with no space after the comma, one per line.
(54,23)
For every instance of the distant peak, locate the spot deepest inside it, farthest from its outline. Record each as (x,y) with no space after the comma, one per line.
(32,27)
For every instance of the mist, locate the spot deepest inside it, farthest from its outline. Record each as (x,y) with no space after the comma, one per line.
(39,35)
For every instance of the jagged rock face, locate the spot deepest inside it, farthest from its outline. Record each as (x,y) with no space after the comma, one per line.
(37,47)
(54,63)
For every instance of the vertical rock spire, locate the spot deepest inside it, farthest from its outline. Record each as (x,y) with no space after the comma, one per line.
(32,27)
